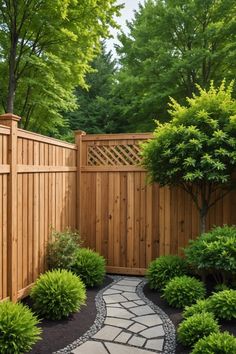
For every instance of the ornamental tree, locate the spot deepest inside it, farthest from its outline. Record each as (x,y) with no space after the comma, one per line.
(196,150)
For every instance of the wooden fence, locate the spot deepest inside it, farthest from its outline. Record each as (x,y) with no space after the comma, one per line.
(37,193)
(96,186)
(124,218)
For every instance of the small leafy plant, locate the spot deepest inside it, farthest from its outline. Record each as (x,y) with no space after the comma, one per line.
(214,253)
(62,249)
(18,328)
(164,268)
(89,266)
(196,327)
(183,291)
(222,343)
(223,304)
(57,294)
(201,306)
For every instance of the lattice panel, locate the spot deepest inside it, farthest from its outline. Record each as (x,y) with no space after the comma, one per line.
(114,155)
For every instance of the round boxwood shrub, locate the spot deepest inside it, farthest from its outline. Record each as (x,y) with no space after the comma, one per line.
(200,306)
(57,294)
(214,253)
(164,268)
(196,327)
(183,291)
(89,266)
(223,304)
(222,343)
(18,328)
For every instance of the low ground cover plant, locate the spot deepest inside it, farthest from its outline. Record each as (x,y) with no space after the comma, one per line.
(62,249)
(223,304)
(18,328)
(214,253)
(196,327)
(57,294)
(89,266)
(183,291)
(222,343)
(164,268)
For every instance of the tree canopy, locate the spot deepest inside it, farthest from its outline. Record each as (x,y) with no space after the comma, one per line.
(46,49)
(196,150)
(172,46)
(97,105)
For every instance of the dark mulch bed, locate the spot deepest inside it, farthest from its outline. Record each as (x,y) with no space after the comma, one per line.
(58,334)
(176,317)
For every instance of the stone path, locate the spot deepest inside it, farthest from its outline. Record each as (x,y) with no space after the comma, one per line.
(127,323)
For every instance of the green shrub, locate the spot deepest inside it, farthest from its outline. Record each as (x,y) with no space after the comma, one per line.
(201,306)
(221,287)
(223,304)
(216,343)
(164,268)
(196,327)
(57,294)
(214,253)
(89,266)
(183,291)
(62,249)
(18,328)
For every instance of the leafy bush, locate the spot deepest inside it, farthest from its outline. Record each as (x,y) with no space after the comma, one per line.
(196,327)
(164,268)
(62,249)
(214,253)
(222,343)
(223,304)
(221,287)
(183,291)
(57,294)
(90,267)
(18,328)
(201,306)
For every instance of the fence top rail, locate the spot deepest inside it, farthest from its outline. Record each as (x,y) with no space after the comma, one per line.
(45,139)
(123,136)
(4,130)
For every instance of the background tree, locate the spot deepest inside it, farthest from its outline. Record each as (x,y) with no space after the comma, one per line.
(45,51)
(196,150)
(97,106)
(172,46)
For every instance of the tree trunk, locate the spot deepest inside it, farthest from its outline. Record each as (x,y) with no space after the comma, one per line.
(203,216)
(12,79)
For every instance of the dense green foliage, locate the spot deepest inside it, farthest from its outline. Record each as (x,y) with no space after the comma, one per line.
(18,328)
(164,268)
(216,343)
(97,107)
(223,304)
(46,48)
(195,327)
(89,266)
(62,249)
(196,149)
(57,294)
(171,46)
(214,253)
(200,306)
(183,291)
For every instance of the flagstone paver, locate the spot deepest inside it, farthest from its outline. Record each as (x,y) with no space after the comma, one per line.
(130,324)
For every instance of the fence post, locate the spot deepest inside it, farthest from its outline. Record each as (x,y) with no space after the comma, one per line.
(78,141)
(11,121)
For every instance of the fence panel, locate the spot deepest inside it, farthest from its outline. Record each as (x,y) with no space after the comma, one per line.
(128,221)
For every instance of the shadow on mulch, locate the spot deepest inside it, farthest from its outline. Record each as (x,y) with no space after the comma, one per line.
(176,317)
(58,334)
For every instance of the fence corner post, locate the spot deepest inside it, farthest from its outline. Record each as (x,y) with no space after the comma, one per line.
(78,141)
(11,121)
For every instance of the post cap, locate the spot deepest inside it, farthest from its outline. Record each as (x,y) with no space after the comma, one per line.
(79,132)
(9,117)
